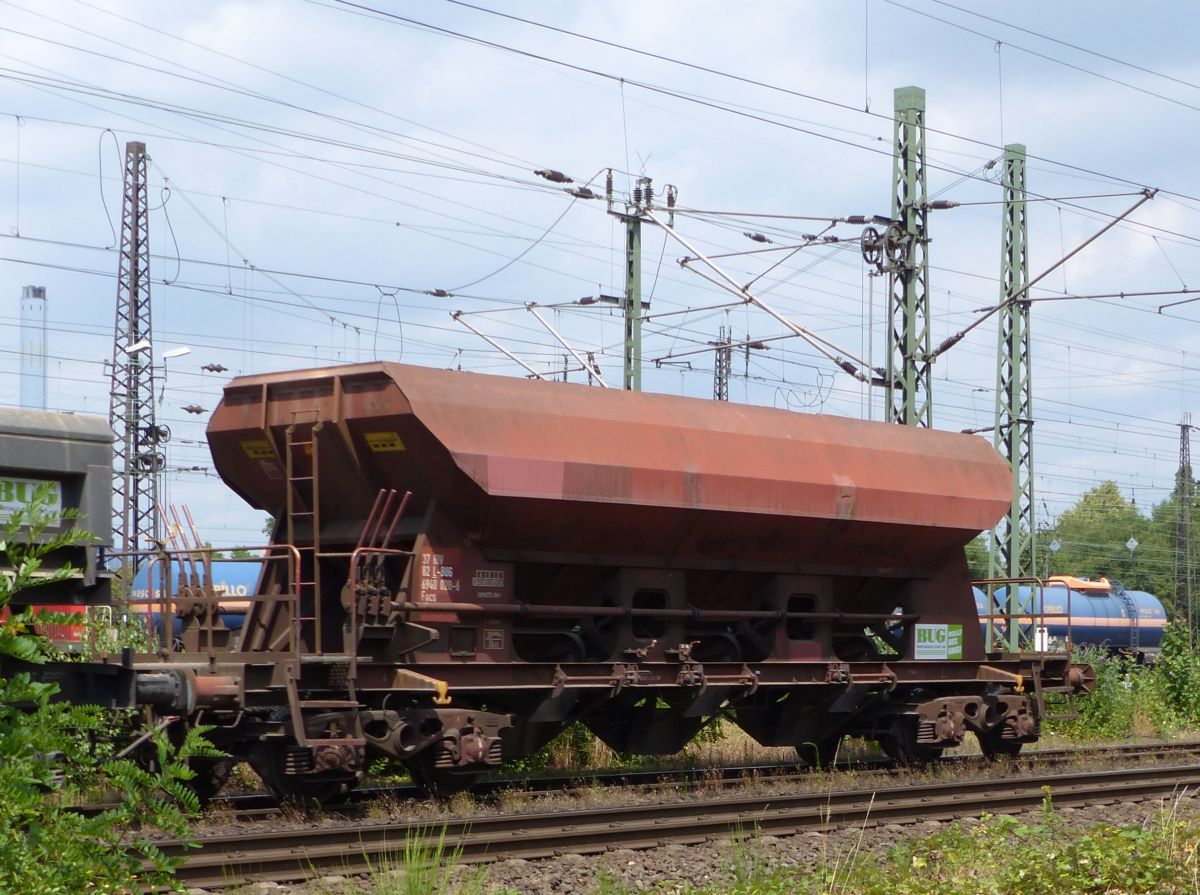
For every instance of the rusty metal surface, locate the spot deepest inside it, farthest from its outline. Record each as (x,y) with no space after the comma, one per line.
(539,469)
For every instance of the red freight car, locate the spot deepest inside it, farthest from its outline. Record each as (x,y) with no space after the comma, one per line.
(463,564)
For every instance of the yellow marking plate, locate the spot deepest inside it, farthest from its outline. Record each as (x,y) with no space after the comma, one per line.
(258,449)
(383,441)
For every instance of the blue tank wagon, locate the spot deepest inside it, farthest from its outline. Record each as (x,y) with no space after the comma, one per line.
(1102,613)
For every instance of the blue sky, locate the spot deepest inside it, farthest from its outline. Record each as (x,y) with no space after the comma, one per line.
(381,159)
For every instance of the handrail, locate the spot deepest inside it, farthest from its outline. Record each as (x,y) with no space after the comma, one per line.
(367,550)
(163,597)
(1015,620)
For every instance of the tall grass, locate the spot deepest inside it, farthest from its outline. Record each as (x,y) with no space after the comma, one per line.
(998,855)
(424,865)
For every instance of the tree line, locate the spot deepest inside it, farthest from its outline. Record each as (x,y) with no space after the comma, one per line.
(1104,535)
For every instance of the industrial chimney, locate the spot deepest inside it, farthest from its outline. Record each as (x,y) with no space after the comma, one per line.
(33,348)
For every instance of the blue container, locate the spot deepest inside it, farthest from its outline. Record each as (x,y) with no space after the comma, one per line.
(234,580)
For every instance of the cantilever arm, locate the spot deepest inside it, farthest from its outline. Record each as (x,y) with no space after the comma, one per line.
(532,309)
(834,352)
(457,315)
(953,340)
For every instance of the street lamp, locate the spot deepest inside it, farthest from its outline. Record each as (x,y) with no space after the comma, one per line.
(166,356)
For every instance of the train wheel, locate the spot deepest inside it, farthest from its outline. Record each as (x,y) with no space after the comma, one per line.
(439,783)
(211,775)
(901,744)
(270,760)
(819,753)
(994,747)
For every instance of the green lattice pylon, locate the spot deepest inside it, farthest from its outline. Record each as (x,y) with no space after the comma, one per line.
(1013,540)
(908,397)
(632,380)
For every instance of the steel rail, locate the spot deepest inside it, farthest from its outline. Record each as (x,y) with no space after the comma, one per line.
(356,848)
(664,778)
(261,805)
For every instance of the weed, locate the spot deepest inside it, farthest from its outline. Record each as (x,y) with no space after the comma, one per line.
(425,866)
(748,860)
(461,803)
(1002,855)
(607,883)
(385,805)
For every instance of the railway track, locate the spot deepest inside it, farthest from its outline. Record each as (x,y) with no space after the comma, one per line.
(733,775)
(350,848)
(258,805)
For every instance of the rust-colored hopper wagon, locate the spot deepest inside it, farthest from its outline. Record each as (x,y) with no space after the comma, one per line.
(464,564)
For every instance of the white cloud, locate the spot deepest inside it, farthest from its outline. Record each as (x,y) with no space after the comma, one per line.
(397,216)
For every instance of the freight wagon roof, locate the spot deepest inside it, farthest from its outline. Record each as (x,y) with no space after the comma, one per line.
(549,441)
(55,426)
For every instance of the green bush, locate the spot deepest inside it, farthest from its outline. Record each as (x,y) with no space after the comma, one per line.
(1110,711)
(1179,668)
(53,755)
(1158,698)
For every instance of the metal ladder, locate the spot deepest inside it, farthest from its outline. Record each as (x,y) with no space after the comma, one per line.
(304,503)
(1132,612)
